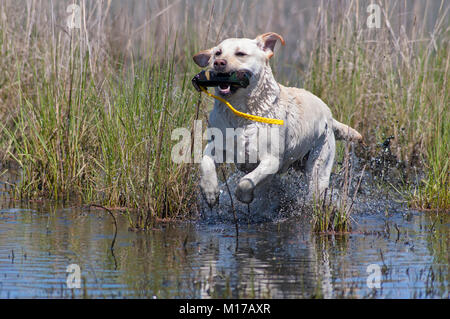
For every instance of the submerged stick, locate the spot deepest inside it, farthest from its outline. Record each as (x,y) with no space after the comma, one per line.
(398,232)
(356,189)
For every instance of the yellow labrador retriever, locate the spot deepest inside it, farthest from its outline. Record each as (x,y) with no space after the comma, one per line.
(308,133)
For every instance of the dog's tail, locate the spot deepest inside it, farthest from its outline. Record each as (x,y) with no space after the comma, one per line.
(345,132)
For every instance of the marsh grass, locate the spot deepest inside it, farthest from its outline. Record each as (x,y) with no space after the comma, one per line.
(390,83)
(328,218)
(107,143)
(87,113)
(116,154)
(433,191)
(331,215)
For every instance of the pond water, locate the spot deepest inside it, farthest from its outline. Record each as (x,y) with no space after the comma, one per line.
(204,259)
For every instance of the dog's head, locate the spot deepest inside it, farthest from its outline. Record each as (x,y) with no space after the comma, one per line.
(239,54)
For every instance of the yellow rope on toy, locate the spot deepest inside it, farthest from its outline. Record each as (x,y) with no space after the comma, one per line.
(244,115)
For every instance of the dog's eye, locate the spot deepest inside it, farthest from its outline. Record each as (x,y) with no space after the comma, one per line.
(218,53)
(241,54)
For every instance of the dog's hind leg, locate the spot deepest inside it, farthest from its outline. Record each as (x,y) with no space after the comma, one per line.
(319,165)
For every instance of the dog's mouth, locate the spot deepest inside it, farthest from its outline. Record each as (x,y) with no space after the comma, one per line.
(225,83)
(226,89)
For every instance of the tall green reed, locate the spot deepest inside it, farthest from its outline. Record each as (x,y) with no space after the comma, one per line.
(384,84)
(71,142)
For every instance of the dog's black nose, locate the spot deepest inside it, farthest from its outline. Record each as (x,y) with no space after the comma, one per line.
(220,64)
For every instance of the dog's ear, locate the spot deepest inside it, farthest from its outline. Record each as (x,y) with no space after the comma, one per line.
(202,58)
(267,42)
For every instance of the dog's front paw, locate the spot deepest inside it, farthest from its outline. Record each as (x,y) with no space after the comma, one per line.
(244,191)
(210,192)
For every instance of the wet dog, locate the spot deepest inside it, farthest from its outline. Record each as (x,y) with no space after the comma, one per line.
(308,133)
